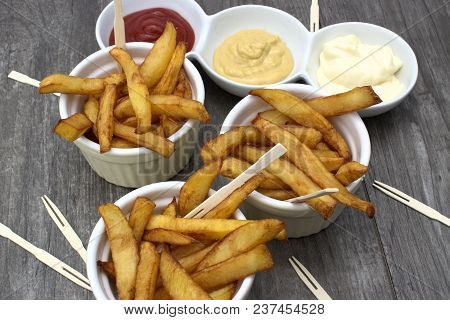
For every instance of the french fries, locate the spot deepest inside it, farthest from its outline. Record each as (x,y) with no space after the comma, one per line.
(227,207)
(140,215)
(168,236)
(196,188)
(108,268)
(71,85)
(156,62)
(295,178)
(242,240)
(124,249)
(225,293)
(168,81)
(356,99)
(238,267)
(121,143)
(309,136)
(306,161)
(183,251)
(137,90)
(73,127)
(147,272)
(105,119)
(183,88)
(172,209)
(148,140)
(169,105)
(350,172)
(232,167)
(177,282)
(275,116)
(169,125)
(298,110)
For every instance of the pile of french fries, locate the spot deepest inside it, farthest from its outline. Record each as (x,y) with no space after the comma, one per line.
(141,106)
(318,157)
(167,256)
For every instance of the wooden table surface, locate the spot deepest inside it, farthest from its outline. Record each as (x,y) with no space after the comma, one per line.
(397,255)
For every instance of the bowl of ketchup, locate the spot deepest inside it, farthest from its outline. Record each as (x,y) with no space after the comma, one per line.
(145,21)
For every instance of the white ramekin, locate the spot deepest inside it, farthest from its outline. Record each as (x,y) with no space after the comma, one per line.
(300,219)
(98,248)
(210,32)
(133,167)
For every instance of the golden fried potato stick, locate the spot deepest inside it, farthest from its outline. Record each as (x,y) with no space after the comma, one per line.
(183,251)
(73,127)
(131,122)
(275,116)
(172,209)
(169,105)
(147,272)
(117,79)
(157,60)
(280,194)
(213,229)
(124,249)
(221,146)
(298,110)
(168,81)
(196,188)
(105,118)
(228,207)
(305,160)
(354,100)
(242,240)
(140,215)
(177,282)
(148,140)
(322,146)
(233,167)
(168,236)
(234,269)
(71,85)
(295,178)
(137,90)
(122,143)
(350,172)
(225,293)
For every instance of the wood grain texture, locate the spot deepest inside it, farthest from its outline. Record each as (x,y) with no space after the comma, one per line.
(400,254)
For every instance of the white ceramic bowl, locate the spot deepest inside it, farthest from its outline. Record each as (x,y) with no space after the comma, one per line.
(98,249)
(133,167)
(300,219)
(210,31)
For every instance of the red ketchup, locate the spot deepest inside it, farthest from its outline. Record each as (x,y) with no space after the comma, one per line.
(147,25)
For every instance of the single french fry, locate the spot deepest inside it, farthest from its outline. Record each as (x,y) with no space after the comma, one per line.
(232,167)
(177,282)
(124,249)
(330,159)
(172,209)
(196,188)
(140,215)
(309,136)
(350,172)
(169,105)
(275,116)
(71,85)
(105,118)
(131,122)
(228,207)
(295,178)
(354,100)
(298,110)
(157,60)
(121,143)
(242,240)
(168,236)
(73,127)
(137,90)
(90,109)
(183,251)
(279,194)
(190,262)
(221,146)
(187,85)
(147,272)
(236,268)
(305,160)
(168,81)
(148,140)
